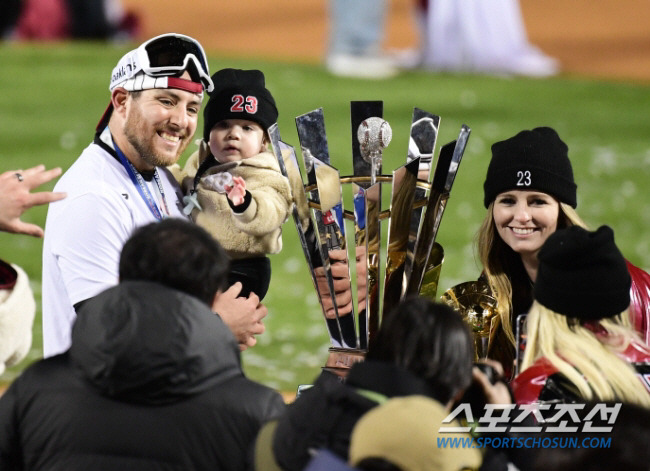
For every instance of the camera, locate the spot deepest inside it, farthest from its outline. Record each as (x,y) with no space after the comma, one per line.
(474,395)
(488,371)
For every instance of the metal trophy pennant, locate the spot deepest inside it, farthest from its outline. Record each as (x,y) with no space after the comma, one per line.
(314,240)
(427,256)
(367,150)
(413,258)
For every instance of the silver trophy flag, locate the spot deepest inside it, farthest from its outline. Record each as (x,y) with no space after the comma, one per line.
(354,287)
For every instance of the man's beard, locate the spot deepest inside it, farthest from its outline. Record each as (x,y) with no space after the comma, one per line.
(142,142)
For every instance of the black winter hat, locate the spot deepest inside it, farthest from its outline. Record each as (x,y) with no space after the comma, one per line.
(239,94)
(531,160)
(583,274)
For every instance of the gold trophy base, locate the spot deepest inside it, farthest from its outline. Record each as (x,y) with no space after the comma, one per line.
(474,301)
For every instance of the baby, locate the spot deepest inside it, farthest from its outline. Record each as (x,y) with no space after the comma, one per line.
(233,184)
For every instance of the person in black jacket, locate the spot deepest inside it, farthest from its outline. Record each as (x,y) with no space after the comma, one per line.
(422,348)
(153,378)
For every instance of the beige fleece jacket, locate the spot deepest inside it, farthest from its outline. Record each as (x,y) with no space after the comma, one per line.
(256,231)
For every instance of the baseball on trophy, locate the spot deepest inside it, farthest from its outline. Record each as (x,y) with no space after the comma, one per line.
(374,134)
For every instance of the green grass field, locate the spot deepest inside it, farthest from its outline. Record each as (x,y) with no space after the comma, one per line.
(53,95)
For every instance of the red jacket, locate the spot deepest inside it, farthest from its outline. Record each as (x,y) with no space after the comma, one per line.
(542,381)
(640,301)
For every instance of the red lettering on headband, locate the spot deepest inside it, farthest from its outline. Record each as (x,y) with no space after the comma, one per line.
(183,84)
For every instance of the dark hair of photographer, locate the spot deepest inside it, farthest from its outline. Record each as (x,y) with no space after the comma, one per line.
(184,256)
(430,340)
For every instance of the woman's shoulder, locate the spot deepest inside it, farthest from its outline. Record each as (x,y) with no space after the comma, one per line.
(636,352)
(528,385)
(640,300)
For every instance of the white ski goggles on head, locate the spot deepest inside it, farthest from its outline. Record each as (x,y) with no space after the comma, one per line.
(164,55)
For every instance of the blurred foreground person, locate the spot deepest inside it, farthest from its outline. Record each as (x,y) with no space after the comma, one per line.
(153,378)
(400,435)
(579,343)
(421,348)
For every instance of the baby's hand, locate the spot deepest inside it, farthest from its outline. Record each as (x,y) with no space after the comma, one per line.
(237,191)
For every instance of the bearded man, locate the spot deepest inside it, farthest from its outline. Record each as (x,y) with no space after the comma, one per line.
(120,182)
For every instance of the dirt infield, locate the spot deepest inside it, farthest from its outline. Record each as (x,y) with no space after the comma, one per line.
(604,39)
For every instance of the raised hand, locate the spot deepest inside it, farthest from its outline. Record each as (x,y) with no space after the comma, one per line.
(16,197)
(237,191)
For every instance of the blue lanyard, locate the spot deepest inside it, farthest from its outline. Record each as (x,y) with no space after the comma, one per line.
(139,183)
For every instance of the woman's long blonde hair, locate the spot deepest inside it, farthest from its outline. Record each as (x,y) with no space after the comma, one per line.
(588,361)
(501,264)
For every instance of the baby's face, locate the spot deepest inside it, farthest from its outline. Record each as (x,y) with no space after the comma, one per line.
(236,139)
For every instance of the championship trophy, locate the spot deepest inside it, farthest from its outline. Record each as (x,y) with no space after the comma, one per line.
(375,271)
(476,304)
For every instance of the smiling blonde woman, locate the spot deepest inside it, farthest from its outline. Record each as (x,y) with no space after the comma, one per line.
(529,193)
